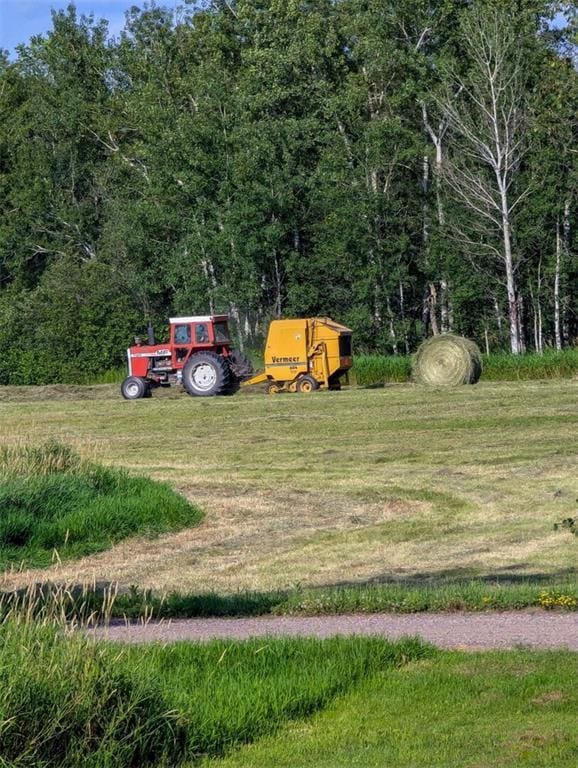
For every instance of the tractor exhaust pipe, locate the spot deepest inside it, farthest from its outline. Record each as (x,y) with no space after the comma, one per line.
(151,334)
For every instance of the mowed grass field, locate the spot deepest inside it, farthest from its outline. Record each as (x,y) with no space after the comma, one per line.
(453,710)
(402,483)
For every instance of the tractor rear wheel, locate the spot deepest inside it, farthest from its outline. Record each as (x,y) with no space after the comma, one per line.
(307,384)
(134,387)
(206,374)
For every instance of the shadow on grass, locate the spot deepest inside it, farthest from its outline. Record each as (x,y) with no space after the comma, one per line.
(104,600)
(448,590)
(512,575)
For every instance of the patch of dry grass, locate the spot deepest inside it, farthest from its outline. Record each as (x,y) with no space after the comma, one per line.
(404,483)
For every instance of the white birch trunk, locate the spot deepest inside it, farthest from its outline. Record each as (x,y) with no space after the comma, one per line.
(439,159)
(498,317)
(490,120)
(234,310)
(557,324)
(402,313)
(513,313)
(278,298)
(444,314)
(521,324)
(209,273)
(536,319)
(392,333)
(432,299)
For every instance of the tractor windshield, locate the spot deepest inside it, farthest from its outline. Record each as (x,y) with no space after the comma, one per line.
(182,334)
(221,332)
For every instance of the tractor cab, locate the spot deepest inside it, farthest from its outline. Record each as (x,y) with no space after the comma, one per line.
(198,356)
(202,332)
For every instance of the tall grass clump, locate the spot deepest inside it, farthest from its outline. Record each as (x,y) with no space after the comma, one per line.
(49,458)
(550,365)
(379,369)
(400,598)
(376,370)
(472,595)
(54,506)
(111,376)
(68,702)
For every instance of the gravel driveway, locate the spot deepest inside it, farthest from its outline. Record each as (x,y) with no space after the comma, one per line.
(474,631)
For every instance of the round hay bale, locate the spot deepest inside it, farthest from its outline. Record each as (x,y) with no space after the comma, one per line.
(447,361)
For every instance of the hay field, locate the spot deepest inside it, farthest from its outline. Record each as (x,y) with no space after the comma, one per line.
(398,484)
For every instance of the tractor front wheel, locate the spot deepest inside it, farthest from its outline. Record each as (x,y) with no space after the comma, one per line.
(206,374)
(307,384)
(134,387)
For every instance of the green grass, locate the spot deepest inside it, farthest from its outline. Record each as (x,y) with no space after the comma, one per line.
(470,596)
(453,710)
(70,701)
(372,370)
(55,506)
(232,692)
(395,598)
(112,376)
(550,365)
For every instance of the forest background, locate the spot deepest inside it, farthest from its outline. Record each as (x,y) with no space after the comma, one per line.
(408,168)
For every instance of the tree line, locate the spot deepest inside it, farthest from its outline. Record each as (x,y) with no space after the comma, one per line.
(407,167)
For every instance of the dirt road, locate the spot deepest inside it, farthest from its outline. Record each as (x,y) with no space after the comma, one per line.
(446,630)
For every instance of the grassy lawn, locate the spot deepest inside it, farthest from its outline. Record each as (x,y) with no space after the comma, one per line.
(230,693)
(56,507)
(402,484)
(67,701)
(455,710)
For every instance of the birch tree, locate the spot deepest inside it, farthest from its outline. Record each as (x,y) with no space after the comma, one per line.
(487,124)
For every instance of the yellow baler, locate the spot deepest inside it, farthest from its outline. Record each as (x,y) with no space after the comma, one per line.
(305,354)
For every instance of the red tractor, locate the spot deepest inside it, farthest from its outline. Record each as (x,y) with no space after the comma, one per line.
(198,356)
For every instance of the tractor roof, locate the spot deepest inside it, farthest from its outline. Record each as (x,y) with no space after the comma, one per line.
(198,319)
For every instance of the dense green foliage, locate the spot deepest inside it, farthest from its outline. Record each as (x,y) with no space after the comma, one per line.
(281,158)
(69,701)
(52,505)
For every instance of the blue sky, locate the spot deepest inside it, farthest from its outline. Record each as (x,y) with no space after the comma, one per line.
(20,19)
